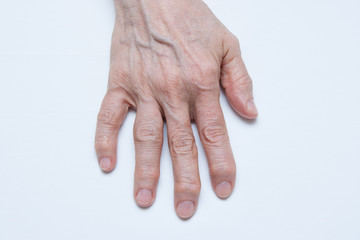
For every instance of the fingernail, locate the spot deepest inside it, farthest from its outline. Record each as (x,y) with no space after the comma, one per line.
(105,164)
(144,197)
(185,209)
(223,189)
(252,107)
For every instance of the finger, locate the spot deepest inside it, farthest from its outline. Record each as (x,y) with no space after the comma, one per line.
(184,158)
(111,115)
(214,137)
(236,80)
(148,139)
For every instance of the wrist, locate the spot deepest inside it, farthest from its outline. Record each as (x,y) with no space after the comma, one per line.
(147,14)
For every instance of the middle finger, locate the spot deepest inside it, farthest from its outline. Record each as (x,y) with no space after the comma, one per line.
(185,163)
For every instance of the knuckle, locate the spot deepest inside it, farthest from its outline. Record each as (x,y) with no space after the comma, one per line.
(102,143)
(203,75)
(233,39)
(172,74)
(209,70)
(214,134)
(232,43)
(169,84)
(172,83)
(223,169)
(188,187)
(243,80)
(147,132)
(147,173)
(183,143)
(108,116)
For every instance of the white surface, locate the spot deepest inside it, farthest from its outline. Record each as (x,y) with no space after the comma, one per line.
(298,164)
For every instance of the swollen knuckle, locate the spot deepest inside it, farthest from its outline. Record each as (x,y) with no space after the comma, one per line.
(182,143)
(214,134)
(223,169)
(147,132)
(209,70)
(188,187)
(203,75)
(102,144)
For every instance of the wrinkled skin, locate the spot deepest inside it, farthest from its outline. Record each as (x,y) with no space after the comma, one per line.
(168,59)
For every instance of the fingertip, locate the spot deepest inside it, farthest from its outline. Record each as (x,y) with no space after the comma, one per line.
(252,109)
(223,190)
(243,104)
(144,198)
(106,154)
(185,209)
(106,164)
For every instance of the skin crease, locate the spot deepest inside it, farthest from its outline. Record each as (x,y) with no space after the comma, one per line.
(168,59)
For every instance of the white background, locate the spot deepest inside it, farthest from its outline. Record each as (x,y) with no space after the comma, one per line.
(298,164)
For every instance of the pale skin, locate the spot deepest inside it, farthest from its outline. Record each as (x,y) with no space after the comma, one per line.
(169,59)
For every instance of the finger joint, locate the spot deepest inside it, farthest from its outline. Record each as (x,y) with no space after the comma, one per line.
(183,143)
(147,132)
(214,134)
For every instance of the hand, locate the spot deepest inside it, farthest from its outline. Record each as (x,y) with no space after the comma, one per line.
(168,58)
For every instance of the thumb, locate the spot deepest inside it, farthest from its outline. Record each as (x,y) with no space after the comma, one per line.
(235,79)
